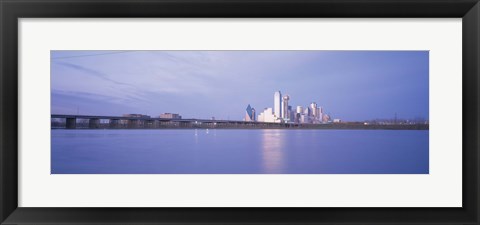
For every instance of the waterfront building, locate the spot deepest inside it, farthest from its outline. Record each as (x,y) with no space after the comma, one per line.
(285,111)
(170,116)
(297,117)
(307,112)
(268,116)
(299,109)
(298,114)
(282,112)
(304,118)
(249,113)
(277,104)
(260,117)
(291,114)
(313,107)
(319,114)
(326,118)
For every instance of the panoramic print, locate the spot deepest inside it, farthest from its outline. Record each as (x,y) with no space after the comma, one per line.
(239,112)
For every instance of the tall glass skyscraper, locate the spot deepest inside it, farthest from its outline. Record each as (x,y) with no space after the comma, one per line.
(250,113)
(285,111)
(277,104)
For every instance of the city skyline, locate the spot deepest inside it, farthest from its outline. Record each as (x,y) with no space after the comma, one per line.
(283,112)
(352,85)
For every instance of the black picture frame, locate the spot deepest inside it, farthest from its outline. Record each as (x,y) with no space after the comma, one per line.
(12,10)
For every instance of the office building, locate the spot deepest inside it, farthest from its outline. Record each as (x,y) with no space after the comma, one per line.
(285,110)
(282,112)
(319,114)
(277,104)
(313,108)
(249,113)
(170,116)
(307,112)
(304,119)
(325,118)
(291,114)
(268,116)
(299,109)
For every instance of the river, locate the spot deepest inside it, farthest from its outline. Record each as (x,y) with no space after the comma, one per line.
(239,151)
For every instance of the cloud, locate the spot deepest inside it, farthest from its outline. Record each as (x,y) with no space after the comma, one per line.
(92,72)
(222,83)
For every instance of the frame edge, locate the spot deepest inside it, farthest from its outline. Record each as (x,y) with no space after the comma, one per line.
(9,108)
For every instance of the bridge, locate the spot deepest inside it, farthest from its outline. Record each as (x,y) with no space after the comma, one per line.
(122,122)
(62,121)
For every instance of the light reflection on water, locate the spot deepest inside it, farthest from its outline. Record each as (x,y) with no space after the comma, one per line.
(224,151)
(272,151)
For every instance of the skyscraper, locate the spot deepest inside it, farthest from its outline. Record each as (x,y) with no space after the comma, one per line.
(277,104)
(249,113)
(291,114)
(313,107)
(308,111)
(320,114)
(254,114)
(299,109)
(298,114)
(285,111)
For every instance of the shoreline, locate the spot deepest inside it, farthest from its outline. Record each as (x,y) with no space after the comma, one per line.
(339,126)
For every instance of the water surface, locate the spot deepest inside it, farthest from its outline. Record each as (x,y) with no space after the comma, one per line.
(231,151)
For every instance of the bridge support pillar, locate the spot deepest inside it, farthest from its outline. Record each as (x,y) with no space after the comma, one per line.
(133,123)
(114,123)
(94,123)
(150,124)
(71,123)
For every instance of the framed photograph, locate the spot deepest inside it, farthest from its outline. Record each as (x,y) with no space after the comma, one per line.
(304,112)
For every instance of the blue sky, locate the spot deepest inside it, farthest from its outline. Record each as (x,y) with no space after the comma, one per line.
(350,85)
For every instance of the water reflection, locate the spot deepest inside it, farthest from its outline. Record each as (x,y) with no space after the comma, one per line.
(196,137)
(231,151)
(273,155)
